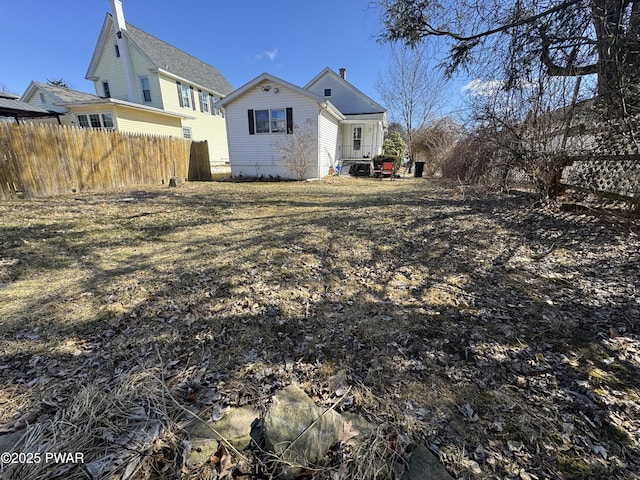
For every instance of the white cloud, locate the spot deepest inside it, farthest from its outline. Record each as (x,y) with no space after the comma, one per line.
(479,87)
(268,54)
(272,54)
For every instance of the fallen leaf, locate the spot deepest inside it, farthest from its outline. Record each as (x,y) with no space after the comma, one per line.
(222,459)
(600,450)
(348,432)
(468,413)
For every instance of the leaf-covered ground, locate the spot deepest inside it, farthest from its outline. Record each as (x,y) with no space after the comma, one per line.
(505,338)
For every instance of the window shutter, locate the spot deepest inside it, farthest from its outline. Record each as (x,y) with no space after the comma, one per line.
(200,100)
(180,94)
(289,120)
(193,101)
(252,125)
(212,100)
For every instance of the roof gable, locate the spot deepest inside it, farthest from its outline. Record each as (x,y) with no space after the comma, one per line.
(164,57)
(62,94)
(55,98)
(238,92)
(247,87)
(347,98)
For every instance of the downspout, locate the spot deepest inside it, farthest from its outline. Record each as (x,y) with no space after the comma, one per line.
(120,29)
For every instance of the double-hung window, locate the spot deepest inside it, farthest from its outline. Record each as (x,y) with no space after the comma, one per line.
(214,110)
(185,96)
(204,102)
(262,121)
(271,121)
(278,121)
(146,90)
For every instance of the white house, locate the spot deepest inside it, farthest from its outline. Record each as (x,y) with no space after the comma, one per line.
(346,125)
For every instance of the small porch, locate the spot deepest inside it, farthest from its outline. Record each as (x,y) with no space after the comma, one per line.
(360,139)
(358,152)
(356,160)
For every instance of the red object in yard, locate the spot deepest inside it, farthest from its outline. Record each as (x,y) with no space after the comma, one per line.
(387,169)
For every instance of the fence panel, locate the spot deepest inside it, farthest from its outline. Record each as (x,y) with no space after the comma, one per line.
(44,159)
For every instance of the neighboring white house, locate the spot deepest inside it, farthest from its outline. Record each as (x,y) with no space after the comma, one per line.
(346,125)
(143,85)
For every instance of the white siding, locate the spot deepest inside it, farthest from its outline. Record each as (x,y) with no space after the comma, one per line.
(346,99)
(372,138)
(328,143)
(256,155)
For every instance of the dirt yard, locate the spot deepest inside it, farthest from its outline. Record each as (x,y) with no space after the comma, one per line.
(506,338)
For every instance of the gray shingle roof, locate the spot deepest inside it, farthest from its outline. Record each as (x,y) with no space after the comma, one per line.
(174,60)
(15,108)
(66,94)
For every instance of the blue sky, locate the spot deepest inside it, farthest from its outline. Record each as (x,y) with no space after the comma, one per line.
(292,39)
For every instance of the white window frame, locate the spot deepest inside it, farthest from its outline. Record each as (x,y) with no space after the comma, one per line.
(96,120)
(204,101)
(185,91)
(274,125)
(215,111)
(83,120)
(187,133)
(143,80)
(357,133)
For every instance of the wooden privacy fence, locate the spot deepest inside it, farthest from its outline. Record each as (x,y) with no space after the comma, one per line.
(42,160)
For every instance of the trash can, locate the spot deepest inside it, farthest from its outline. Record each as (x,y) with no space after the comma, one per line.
(418,169)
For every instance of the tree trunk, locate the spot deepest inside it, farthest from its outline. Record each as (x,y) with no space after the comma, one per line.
(617,50)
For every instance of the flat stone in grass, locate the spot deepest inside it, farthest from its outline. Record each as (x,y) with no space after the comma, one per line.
(11,441)
(235,428)
(291,434)
(424,465)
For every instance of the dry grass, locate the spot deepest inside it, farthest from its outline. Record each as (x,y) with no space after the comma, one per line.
(460,323)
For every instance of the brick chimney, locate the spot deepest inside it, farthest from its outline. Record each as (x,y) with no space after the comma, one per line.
(119,28)
(343,73)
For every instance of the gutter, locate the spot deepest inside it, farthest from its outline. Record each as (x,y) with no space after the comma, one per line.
(135,106)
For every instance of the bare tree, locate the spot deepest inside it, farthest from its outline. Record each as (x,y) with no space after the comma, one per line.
(5,89)
(412,90)
(434,142)
(297,151)
(58,82)
(531,129)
